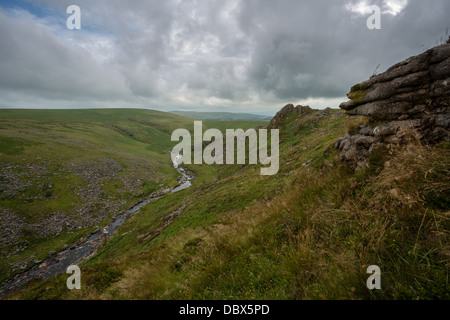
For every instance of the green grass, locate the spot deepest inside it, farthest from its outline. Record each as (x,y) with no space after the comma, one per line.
(51,153)
(308,232)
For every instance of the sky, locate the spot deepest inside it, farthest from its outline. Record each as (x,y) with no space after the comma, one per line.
(252,56)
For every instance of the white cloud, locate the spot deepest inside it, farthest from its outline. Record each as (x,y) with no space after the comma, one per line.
(392,7)
(361,7)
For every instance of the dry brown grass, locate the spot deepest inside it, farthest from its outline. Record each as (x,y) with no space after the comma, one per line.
(313,241)
(354,123)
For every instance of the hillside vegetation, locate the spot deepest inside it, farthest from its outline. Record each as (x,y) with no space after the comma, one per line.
(222,116)
(309,232)
(67,173)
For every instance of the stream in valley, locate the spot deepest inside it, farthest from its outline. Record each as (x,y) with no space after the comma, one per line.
(87,247)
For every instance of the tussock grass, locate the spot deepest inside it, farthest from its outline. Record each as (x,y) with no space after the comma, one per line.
(313,237)
(354,124)
(316,240)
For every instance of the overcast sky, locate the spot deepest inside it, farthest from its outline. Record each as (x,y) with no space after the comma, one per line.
(250,56)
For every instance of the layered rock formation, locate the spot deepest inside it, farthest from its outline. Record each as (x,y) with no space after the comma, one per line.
(298,110)
(411,100)
(282,114)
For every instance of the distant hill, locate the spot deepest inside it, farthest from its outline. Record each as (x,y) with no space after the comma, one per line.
(222,116)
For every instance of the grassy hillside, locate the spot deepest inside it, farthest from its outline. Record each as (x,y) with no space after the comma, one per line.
(222,116)
(65,173)
(308,232)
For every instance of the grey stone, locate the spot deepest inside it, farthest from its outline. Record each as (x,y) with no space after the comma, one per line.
(411,100)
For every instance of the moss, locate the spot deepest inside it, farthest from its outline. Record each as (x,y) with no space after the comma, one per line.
(357,93)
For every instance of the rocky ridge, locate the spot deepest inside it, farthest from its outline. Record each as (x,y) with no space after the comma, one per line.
(299,110)
(410,101)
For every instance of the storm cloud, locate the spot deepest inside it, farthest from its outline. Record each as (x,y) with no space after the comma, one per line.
(204,55)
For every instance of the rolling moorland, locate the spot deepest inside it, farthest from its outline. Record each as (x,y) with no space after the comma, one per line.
(66,173)
(365,186)
(225,116)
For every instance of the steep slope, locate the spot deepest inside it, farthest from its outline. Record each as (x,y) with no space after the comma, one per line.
(308,232)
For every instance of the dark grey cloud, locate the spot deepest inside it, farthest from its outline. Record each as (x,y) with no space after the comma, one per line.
(319,49)
(252,55)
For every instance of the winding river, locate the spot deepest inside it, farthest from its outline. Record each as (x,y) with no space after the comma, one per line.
(87,247)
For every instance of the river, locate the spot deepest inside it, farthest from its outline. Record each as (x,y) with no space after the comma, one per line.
(87,247)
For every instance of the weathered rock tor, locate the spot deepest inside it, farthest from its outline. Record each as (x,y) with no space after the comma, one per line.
(411,100)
